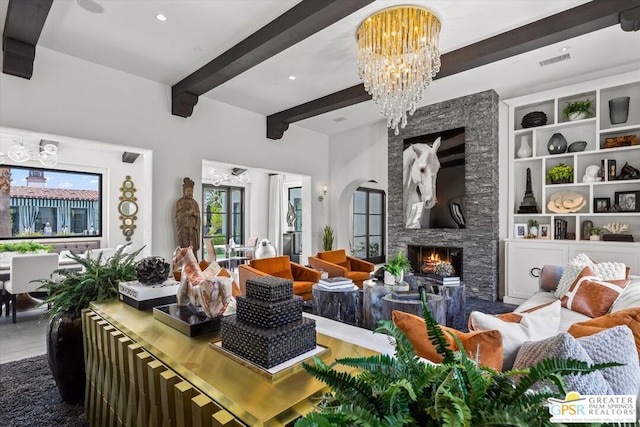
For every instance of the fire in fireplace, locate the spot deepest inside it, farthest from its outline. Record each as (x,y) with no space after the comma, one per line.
(424,259)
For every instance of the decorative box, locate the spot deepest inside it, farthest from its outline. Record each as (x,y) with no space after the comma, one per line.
(145,297)
(269,288)
(269,315)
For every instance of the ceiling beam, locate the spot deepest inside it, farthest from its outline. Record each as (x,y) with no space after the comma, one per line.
(583,19)
(22,28)
(303,20)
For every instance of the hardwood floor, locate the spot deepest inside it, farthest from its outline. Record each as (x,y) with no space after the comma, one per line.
(23,339)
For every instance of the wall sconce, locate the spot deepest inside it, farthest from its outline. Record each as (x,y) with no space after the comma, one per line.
(324,193)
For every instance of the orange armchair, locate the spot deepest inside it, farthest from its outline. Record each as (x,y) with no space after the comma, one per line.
(338,264)
(280,266)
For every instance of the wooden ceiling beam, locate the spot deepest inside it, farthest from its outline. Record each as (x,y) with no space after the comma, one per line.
(303,20)
(583,19)
(22,29)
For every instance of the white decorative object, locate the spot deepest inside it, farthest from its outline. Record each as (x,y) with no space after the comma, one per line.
(616,227)
(566,202)
(525,149)
(594,237)
(592,174)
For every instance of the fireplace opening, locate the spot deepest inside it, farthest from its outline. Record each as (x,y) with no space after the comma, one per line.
(423,259)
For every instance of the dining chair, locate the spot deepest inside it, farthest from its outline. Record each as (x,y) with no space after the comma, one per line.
(24,270)
(95,253)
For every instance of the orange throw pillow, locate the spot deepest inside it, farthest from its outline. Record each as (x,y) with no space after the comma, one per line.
(485,344)
(629,317)
(591,296)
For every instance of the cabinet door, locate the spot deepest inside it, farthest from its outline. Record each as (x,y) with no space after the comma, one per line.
(523,263)
(627,253)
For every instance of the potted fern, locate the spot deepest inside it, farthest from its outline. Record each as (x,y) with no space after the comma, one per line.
(577,110)
(395,267)
(68,293)
(402,390)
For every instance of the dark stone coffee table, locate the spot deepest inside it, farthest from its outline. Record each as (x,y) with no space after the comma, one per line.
(342,305)
(436,304)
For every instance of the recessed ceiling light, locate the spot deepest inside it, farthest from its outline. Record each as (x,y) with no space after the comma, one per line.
(564,48)
(292,77)
(340,119)
(90,6)
(161,17)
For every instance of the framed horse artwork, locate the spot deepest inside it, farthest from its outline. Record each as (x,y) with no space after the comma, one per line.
(433,178)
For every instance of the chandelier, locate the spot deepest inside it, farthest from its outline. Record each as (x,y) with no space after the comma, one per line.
(46,152)
(398,56)
(232,176)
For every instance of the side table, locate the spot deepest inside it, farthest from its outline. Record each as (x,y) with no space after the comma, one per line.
(342,305)
(454,297)
(414,306)
(372,293)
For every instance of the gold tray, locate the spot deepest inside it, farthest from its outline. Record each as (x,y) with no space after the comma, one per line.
(278,371)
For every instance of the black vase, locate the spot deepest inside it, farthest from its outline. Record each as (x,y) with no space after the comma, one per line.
(65,353)
(619,110)
(557,144)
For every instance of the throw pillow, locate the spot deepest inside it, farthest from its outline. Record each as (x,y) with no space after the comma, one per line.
(629,298)
(537,325)
(562,346)
(590,296)
(603,270)
(484,345)
(615,345)
(629,317)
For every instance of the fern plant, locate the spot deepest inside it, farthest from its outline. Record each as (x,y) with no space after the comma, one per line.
(70,291)
(404,391)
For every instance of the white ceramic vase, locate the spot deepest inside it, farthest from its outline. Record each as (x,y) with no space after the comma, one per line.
(594,237)
(390,279)
(525,149)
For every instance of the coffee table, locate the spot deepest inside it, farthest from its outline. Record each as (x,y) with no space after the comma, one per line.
(342,305)
(414,306)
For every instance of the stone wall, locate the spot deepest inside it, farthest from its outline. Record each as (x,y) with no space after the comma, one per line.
(478,114)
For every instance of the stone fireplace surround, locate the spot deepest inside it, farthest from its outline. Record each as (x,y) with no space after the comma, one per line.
(478,114)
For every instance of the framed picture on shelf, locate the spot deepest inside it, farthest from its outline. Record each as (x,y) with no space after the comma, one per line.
(544,231)
(601,204)
(628,201)
(520,230)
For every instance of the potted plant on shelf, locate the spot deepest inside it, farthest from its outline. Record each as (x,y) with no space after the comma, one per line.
(578,110)
(560,174)
(533,228)
(327,238)
(394,269)
(595,233)
(68,293)
(402,390)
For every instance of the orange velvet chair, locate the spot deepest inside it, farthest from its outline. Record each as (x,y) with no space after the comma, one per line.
(280,266)
(338,264)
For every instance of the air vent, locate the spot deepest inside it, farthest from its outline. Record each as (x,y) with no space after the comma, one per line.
(339,119)
(237,171)
(555,60)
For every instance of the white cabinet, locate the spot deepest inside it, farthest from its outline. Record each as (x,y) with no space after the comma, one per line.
(524,261)
(594,203)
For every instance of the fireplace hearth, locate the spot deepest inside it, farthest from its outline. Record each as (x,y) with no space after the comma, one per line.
(423,259)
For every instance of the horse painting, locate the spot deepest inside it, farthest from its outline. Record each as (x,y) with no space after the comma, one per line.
(203,289)
(420,166)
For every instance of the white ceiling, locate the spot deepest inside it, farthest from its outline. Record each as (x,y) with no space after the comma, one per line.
(127,37)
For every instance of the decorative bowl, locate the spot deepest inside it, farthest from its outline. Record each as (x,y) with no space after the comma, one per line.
(574,147)
(534,119)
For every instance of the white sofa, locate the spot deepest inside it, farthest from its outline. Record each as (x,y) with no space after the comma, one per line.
(630,297)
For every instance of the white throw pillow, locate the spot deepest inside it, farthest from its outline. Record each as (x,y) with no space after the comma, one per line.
(630,296)
(534,326)
(603,270)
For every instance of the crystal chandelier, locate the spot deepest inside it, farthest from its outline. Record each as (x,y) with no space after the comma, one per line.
(232,176)
(398,56)
(19,152)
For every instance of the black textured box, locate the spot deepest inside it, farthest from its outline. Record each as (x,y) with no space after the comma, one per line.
(269,315)
(268,347)
(269,288)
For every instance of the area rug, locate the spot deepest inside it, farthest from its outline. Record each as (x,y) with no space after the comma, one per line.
(29,397)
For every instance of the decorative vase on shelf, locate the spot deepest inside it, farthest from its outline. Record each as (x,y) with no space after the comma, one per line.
(586,229)
(577,116)
(619,110)
(595,237)
(557,144)
(525,149)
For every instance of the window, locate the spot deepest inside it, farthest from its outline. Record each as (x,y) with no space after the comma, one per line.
(223,215)
(44,203)
(368,224)
(295,198)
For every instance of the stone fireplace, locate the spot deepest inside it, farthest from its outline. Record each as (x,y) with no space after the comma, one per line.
(423,259)
(478,241)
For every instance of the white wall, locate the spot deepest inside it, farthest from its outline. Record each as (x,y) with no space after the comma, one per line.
(355,157)
(75,98)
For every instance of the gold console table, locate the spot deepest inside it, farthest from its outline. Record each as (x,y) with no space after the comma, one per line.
(141,372)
